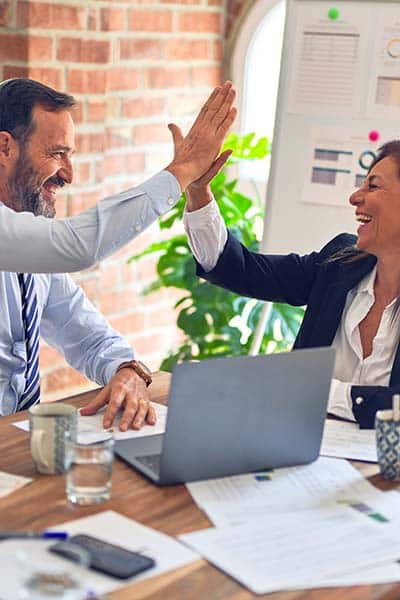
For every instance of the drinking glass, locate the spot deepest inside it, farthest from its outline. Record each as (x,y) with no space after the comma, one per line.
(89,467)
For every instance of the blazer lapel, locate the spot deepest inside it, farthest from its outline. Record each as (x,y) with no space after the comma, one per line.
(334,300)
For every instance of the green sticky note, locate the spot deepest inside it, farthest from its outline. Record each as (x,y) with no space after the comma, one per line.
(333,13)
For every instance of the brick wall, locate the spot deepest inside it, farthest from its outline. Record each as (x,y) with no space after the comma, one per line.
(133,66)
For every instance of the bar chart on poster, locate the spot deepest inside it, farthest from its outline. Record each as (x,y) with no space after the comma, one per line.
(338,101)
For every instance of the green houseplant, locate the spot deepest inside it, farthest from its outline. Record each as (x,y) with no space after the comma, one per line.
(216,322)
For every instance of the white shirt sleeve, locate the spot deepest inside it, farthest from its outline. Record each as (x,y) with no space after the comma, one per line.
(340,402)
(40,245)
(207,234)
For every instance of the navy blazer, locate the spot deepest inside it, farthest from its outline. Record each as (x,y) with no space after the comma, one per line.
(312,280)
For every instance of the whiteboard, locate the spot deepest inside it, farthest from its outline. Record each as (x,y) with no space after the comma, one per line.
(338,101)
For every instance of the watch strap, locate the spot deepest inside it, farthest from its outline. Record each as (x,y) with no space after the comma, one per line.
(139,368)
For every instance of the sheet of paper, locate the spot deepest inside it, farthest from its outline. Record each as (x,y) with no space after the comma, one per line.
(9,482)
(326,482)
(297,549)
(109,526)
(337,161)
(384,87)
(328,56)
(90,429)
(347,440)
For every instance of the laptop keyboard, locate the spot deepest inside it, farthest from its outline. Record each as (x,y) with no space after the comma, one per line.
(151,461)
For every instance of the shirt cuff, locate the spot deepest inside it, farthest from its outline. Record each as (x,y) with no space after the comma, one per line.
(340,401)
(202,217)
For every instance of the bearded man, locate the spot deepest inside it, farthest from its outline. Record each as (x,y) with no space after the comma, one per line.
(37,141)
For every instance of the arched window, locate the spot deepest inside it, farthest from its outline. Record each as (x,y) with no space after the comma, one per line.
(255,66)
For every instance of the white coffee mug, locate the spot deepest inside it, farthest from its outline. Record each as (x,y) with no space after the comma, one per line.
(50,425)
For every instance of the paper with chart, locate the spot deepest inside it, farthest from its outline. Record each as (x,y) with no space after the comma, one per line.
(301,549)
(337,162)
(347,440)
(328,57)
(384,86)
(109,526)
(328,482)
(90,429)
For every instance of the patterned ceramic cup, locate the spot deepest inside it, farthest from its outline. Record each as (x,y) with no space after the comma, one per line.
(388,444)
(48,425)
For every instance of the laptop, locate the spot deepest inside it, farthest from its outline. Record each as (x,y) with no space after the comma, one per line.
(237,415)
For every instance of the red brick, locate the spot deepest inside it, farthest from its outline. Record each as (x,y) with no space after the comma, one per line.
(90,142)
(82,173)
(48,76)
(93,19)
(87,81)
(185,104)
(113,19)
(150,344)
(50,16)
(162,318)
(200,22)
(161,77)
(49,357)
(118,137)
(113,164)
(21,47)
(84,51)
(77,113)
(108,275)
(150,20)
(142,107)
(4,14)
(122,78)
(91,288)
(178,49)
(216,50)
(209,76)
(128,324)
(64,378)
(180,2)
(134,162)
(96,110)
(139,49)
(151,133)
(115,302)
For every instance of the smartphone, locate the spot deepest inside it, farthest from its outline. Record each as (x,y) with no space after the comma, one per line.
(107,558)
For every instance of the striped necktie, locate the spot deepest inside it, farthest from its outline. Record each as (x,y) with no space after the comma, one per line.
(30,318)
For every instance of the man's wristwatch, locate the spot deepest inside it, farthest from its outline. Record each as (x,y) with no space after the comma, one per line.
(139,368)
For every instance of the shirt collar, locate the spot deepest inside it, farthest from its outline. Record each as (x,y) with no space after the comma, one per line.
(367,283)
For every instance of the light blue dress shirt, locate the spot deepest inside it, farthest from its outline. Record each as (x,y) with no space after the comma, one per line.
(38,245)
(69,322)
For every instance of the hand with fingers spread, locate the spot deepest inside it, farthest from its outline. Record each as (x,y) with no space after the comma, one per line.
(196,154)
(126,391)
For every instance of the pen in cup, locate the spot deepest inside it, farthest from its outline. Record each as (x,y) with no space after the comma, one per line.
(33,535)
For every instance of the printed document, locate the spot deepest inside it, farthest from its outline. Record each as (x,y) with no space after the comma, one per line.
(347,440)
(90,429)
(302,549)
(325,482)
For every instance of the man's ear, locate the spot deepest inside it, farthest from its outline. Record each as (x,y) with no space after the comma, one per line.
(9,150)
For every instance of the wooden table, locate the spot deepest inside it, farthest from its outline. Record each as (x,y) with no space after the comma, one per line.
(170,510)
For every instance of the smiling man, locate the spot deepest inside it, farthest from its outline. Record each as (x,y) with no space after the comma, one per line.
(37,141)
(351,287)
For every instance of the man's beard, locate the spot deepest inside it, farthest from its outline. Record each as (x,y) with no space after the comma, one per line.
(25,190)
